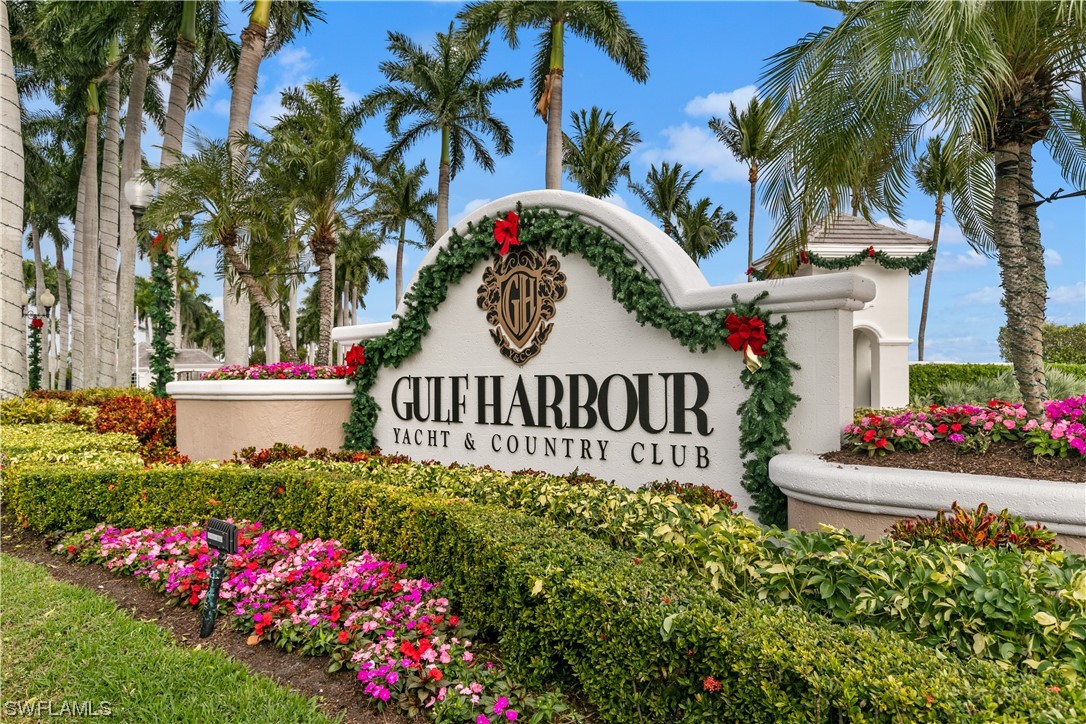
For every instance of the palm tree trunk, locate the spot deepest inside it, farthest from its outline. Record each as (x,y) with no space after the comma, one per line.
(443,187)
(78,276)
(174,130)
(354,305)
(39,290)
(253,38)
(62,317)
(1037,283)
(109,375)
(750,227)
(326,305)
(399,264)
(130,165)
(554,109)
(12,329)
(262,301)
(927,282)
(90,246)
(1018,277)
(293,313)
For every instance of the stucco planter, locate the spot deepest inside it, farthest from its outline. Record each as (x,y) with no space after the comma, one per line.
(217,417)
(867,500)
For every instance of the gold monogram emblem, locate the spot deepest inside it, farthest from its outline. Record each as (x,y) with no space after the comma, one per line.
(519,294)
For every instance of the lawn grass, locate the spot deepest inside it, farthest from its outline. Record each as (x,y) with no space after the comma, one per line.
(62,643)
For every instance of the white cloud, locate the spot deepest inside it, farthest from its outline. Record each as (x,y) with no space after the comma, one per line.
(1070,294)
(469,208)
(948,233)
(985,295)
(618,201)
(295,60)
(388,253)
(1053,258)
(951,262)
(221,107)
(697,148)
(716,104)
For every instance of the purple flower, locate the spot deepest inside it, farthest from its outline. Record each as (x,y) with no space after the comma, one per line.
(511,715)
(501,704)
(955,437)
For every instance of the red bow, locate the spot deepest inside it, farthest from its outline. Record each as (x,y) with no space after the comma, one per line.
(871,251)
(804,258)
(37,323)
(750,271)
(505,232)
(747,334)
(356,357)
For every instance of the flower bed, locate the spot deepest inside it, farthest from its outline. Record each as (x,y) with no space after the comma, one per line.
(316,597)
(278,371)
(1062,432)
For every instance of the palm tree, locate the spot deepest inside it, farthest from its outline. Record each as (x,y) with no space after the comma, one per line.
(13,337)
(704,229)
(748,134)
(229,213)
(600,22)
(993,77)
(398,201)
(271,26)
(442,91)
(595,156)
(665,193)
(936,176)
(357,263)
(314,144)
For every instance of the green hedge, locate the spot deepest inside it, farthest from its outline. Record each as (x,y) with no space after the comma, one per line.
(636,639)
(924,379)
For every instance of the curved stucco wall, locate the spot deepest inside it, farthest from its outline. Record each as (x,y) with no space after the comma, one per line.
(866,499)
(217,417)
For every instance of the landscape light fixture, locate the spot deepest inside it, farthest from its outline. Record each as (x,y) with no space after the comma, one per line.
(139,195)
(223,537)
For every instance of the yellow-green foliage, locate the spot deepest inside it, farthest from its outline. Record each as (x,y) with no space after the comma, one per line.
(33,411)
(634,637)
(57,443)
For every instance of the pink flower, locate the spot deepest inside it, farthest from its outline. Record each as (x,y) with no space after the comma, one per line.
(482,719)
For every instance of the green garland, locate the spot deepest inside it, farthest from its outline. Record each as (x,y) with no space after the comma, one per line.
(912,264)
(34,368)
(762,431)
(161,314)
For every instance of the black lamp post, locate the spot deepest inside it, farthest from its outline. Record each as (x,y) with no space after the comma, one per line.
(223,537)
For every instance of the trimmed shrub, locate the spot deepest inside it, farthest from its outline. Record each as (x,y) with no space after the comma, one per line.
(60,444)
(926,378)
(638,641)
(90,397)
(34,411)
(152,420)
(1061,343)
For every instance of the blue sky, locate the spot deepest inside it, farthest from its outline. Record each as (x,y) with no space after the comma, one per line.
(701,54)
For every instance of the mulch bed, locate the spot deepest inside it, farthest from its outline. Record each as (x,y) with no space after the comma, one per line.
(339,693)
(1005,459)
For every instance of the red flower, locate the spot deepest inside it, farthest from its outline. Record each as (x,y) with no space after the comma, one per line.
(505,232)
(356,356)
(804,258)
(710,684)
(871,251)
(942,429)
(334,616)
(746,332)
(454,620)
(956,427)
(880,443)
(869,435)
(37,323)
(436,674)
(344,637)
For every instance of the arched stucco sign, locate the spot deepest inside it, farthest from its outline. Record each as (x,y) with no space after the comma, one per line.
(529,362)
